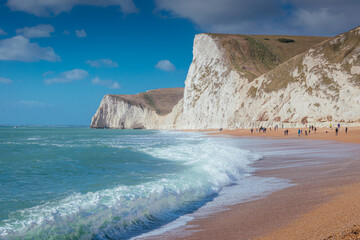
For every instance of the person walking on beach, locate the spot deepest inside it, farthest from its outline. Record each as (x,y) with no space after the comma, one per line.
(336,131)
(252,130)
(330,125)
(346,130)
(338,125)
(315,130)
(299,132)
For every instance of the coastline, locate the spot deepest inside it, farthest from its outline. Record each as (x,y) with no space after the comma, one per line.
(352,136)
(322,204)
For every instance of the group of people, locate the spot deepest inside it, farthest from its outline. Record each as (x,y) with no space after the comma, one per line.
(261,129)
(311,128)
(300,131)
(338,129)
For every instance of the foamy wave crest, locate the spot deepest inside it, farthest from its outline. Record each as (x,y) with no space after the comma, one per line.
(209,165)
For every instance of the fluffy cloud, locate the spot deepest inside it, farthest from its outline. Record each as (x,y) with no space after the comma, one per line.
(306,17)
(221,15)
(39,31)
(80,33)
(5,80)
(55,7)
(102,63)
(2,32)
(108,83)
(19,48)
(165,65)
(69,76)
(324,17)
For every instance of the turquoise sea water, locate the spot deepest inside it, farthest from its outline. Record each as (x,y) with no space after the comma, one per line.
(80,183)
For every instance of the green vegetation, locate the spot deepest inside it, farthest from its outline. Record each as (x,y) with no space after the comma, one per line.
(252,92)
(286,40)
(356,80)
(336,46)
(253,55)
(280,77)
(149,100)
(260,52)
(344,45)
(309,90)
(326,80)
(237,58)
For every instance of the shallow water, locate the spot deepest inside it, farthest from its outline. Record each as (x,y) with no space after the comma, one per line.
(79,183)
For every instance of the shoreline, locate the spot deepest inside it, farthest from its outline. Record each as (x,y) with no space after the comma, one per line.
(322,204)
(352,136)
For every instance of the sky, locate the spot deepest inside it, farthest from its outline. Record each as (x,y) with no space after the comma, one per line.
(58,58)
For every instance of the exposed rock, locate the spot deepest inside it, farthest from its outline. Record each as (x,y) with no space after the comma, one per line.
(143,110)
(239,81)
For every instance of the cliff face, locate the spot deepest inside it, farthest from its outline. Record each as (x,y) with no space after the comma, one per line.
(143,110)
(319,86)
(237,81)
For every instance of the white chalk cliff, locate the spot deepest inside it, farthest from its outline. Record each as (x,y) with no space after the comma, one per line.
(238,81)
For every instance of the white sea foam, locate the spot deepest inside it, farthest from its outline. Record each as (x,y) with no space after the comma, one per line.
(210,165)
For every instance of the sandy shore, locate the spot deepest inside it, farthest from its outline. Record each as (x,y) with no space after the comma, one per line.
(352,136)
(324,203)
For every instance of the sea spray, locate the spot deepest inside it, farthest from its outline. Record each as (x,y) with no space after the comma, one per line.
(203,166)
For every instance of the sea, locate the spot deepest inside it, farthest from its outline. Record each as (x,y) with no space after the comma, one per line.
(82,183)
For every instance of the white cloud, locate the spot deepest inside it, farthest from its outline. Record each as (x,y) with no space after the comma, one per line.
(39,31)
(19,48)
(317,21)
(29,104)
(305,17)
(80,33)
(55,7)
(5,80)
(102,63)
(108,83)
(165,65)
(2,32)
(68,76)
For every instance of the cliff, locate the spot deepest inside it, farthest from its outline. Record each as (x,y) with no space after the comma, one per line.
(237,81)
(143,110)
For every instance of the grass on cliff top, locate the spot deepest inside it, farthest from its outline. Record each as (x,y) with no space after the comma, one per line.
(160,100)
(334,51)
(254,55)
(337,52)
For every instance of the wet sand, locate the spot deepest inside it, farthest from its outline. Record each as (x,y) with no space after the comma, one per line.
(352,136)
(324,203)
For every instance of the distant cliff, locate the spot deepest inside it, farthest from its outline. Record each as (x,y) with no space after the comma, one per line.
(237,81)
(143,110)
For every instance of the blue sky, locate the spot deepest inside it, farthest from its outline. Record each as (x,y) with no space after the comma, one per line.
(58,58)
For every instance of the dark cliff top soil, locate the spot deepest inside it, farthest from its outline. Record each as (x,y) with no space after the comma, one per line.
(160,100)
(254,55)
